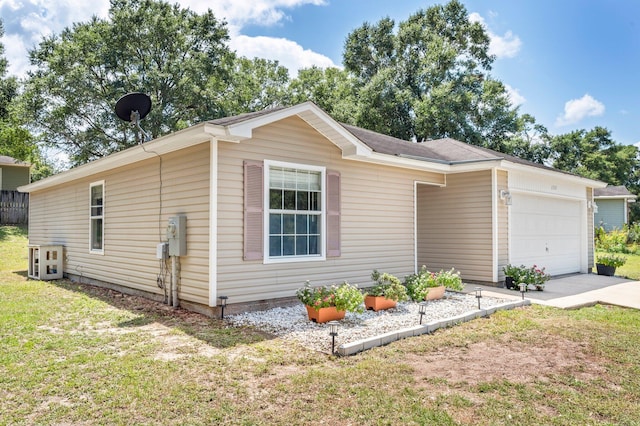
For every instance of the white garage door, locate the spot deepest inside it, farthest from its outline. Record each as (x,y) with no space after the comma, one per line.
(546,232)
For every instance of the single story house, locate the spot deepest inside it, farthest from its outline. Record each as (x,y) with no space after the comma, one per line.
(612,207)
(13,173)
(285,195)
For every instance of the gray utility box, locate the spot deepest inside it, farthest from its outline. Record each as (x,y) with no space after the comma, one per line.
(177,235)
(45,262)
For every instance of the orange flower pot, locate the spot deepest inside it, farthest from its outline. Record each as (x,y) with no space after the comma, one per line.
(324,314)
(378,303)
(435,293)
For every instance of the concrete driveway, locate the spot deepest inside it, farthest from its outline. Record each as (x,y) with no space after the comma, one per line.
(575,291)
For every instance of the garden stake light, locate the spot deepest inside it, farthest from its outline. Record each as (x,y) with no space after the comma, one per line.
(478,295)
(223,303)
(523,288)
(333,332)
(422,309)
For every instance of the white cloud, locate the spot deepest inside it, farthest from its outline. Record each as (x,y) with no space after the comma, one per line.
(288,53)
(514,96)
(15,51)
(637,144)
(242,12)
(27,21)
(265,13)
(577,109)
(506,46)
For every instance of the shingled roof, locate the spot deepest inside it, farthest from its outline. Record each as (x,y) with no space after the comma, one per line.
(446,150)
(234,119)
(613,191)
(11,161)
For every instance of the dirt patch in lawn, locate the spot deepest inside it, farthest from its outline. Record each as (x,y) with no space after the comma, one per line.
(180,333)
(512,361)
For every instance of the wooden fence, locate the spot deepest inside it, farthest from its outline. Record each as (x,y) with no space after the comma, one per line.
(14,208)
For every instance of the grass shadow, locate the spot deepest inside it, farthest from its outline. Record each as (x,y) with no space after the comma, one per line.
(10,231)
(214,332)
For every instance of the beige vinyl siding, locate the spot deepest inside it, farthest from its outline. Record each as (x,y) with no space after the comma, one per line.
(455,225)
(11,177)
(503,224)
(376,216)
(134,224)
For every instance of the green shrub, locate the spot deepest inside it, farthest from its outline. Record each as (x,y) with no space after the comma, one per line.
(388,286)
(633,233)
(418,285)
(613,242)
(345,297)
(611,260)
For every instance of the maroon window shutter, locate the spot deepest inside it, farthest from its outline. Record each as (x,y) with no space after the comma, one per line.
(253,210)
(333,213)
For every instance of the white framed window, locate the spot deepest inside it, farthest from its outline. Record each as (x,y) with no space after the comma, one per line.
(294,217)
(96,217)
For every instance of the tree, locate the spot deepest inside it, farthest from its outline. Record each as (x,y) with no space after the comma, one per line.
(430,80)
(254,85)
(15,140)
(595,155)
(331,89)
(530,142)
(174,55)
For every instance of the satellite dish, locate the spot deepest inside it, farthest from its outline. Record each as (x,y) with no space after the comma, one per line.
(134,107)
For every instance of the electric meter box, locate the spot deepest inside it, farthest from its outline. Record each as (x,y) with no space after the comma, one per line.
(177,235)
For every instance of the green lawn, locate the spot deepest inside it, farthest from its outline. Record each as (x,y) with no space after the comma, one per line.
(73,354)
(631,269)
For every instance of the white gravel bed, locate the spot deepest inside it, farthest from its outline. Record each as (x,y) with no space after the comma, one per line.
(292,323)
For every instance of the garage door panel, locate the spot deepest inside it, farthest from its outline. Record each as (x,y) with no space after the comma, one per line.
(546,232)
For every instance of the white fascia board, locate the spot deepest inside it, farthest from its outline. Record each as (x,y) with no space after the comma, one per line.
(474,166)
(402,162)
(558,174)
(349,144)
(614,197)
(222,133)
(172,142)
(426,165)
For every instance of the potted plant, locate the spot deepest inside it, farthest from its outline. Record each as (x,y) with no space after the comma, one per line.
(327,303)
(386,293)
(606,264)
(536,276)
(513,276)
(427,285)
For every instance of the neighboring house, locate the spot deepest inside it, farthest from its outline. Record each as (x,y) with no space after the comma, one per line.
(13,173)
(613,207)
(285,195)
(14,206)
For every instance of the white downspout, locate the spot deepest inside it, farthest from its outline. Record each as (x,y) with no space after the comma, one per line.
(494,223)
(213,222)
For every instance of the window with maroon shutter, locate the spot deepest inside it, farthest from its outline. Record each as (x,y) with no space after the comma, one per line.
(287,225)
(295,211)
(333,213)
(253,210)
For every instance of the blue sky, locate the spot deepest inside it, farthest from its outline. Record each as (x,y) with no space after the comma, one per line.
(571,63)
